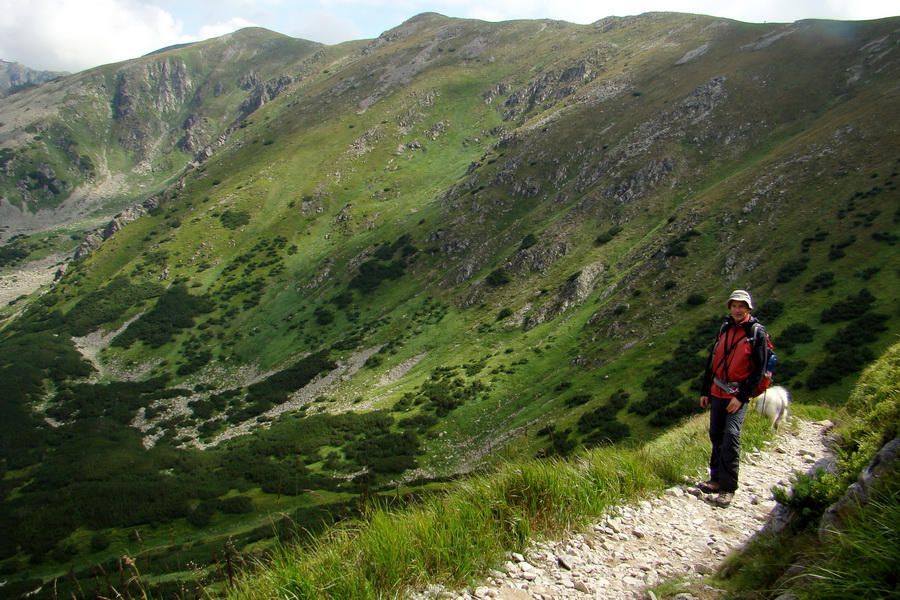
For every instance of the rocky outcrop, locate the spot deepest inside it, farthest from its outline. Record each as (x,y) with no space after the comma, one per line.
(859,494)
(164,84)
(572,293)
(553,85)
(261,93)
(145,93)
(95,237)
(210,149)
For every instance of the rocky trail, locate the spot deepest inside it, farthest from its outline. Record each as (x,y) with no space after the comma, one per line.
(677,535)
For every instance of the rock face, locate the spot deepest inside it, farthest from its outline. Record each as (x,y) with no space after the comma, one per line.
(573,292)
(677,535)
(860,492)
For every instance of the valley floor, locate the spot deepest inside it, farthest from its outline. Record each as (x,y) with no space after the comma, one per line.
(677,536)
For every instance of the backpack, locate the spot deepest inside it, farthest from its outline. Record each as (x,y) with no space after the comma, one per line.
(769,369)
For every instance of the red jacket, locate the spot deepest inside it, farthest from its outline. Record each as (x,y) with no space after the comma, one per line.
(736,361)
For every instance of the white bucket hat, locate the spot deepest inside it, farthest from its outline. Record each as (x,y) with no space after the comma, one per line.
(742,296)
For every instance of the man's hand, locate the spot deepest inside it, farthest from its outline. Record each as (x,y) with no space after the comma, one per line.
(704,402)
(734,406)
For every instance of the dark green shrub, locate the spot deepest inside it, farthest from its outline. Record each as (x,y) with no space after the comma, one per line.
(837,366)
(608,235)
(528,241)
(200,516)
(769,311)
(99,542)
(108,304)
(606,433)
(677,248)
(655,399)
(236,505)
(791,269)
(232,219)
(787,369)
(578,400)
(695,299)
(807,242)
(594,419)
(886,237)
(175,310)
(498,277)
(421,422)
(848,309)
(795,333)
(561,443)
(808,498)
(10,255)
(675,411)
(619,399)
(860,332)
(342,300)
(323,316)
(372,273)
(837,250)
(277,387)
(821,281)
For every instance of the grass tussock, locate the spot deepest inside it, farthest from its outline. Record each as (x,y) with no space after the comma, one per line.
(454,537)
(862,561)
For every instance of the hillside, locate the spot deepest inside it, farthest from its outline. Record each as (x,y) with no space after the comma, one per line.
(15,77)
(395,261)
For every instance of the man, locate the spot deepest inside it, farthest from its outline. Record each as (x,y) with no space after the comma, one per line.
(733,370)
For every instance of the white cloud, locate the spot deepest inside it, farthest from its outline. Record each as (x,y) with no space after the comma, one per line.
(218,29)
(323,27)
(72,35)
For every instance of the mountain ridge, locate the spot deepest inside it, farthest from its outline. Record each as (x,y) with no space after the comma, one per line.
(15,77)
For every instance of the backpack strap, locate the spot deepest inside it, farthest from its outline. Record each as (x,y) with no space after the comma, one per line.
(725,327)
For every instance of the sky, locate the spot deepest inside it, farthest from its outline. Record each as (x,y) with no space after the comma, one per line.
(73,35)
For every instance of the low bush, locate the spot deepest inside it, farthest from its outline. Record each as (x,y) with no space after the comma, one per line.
(498,277)
(695,299)
(821,281)
(791,269)
(175,310)
(608,235)
(108,304)
(528,241)
(848,309)
(232,219)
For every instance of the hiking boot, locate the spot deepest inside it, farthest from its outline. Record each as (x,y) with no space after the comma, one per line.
(722,500)
(708,487)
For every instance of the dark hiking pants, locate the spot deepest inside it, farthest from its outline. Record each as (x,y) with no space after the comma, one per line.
(725,435)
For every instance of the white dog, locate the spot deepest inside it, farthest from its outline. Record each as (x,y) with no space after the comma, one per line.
(773,403)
